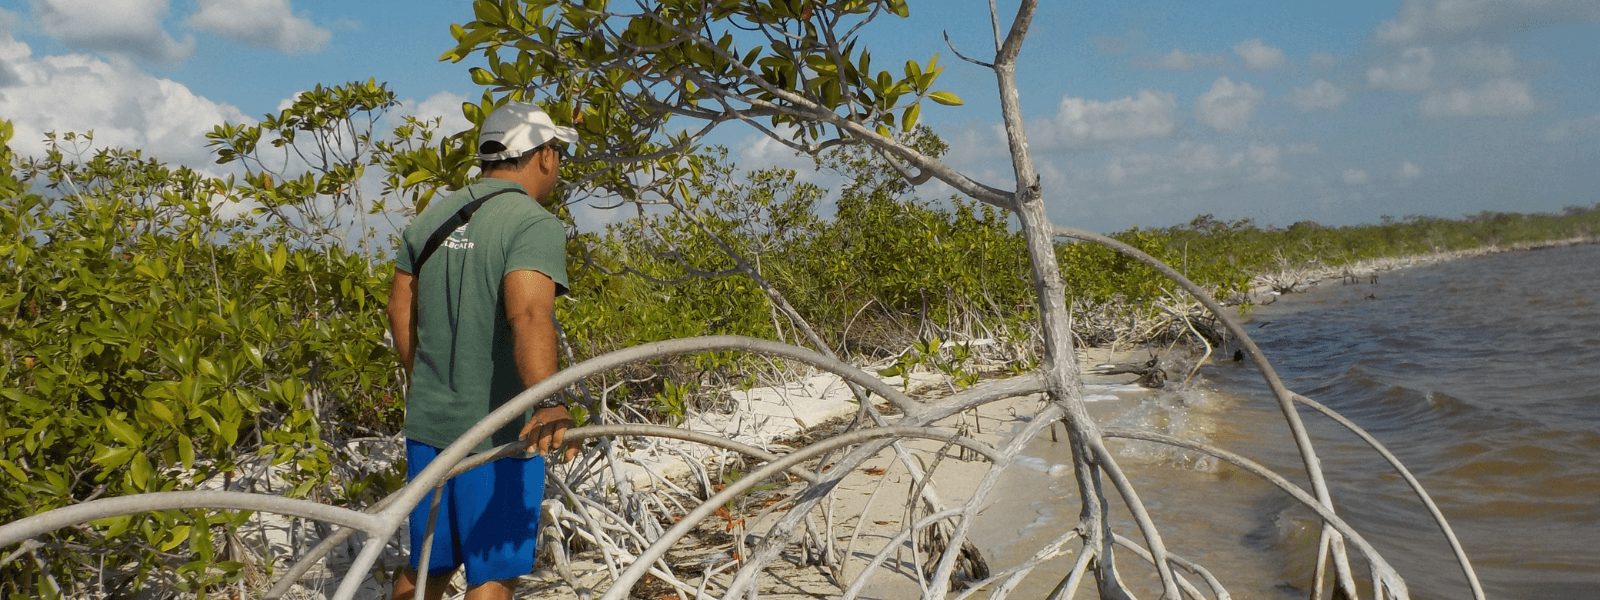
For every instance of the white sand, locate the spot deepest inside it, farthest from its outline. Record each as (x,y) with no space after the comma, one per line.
(766,417)
(779,411)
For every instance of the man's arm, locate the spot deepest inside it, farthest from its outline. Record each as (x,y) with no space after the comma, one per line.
(530,309)
(403,317)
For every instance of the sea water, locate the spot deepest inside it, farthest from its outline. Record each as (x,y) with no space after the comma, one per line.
(1481,374)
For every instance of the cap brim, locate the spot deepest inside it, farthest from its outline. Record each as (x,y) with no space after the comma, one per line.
(498,156)
(566,134)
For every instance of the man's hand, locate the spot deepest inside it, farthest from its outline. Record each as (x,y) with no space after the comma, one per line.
(546,433)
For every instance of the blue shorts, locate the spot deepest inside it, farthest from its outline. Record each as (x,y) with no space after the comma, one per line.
(488,517)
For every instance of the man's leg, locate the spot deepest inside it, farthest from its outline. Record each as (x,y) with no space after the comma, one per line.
(405,586)
(443,558)
(497,516)
(492,590)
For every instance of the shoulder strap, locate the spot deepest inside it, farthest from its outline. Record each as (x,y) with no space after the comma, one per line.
(450,225)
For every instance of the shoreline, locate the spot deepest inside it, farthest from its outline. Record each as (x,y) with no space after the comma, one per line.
(1267,287)
(815,403)
(1003,414)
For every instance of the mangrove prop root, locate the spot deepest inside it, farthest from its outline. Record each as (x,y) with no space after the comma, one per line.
(588,521)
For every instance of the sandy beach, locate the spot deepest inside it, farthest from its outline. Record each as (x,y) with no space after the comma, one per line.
(1034,500)
(869,505)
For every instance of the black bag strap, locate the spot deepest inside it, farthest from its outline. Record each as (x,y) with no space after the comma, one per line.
(450,225)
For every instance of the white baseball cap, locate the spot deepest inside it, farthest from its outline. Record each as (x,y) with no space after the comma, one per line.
(520,127)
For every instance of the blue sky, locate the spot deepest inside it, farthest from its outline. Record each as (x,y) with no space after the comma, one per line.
(1140,112)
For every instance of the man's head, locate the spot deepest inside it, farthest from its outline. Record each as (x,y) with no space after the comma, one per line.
(519,142)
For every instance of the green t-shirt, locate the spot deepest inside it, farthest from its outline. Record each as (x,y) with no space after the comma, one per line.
(464,366)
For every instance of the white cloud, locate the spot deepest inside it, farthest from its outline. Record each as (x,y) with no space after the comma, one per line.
(1148,114)
(1198,166)
(124,106)
(1451,20)
(1161,183)
(262,23)
(1408,171)
(123,27)
(1258,56)
(1202,158)
(288,101)
(1496,98)
(1355,177)
(1494,59)
(1320,95)
(1574,129)
(9,76)
(1322,60)
(11,51)
(1120,168)
(445,106)
(1413,72)
(981,152)
(1228,106)
(760,151)
(1178,60)
(1264,154)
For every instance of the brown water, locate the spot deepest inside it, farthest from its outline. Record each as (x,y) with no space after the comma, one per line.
(1480,374)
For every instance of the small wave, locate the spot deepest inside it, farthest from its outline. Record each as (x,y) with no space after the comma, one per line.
(1503,466)
(1545,464)
(1583,442)
(1382,406)
(1108,391)
(1444,403)
(1574,511)
(1033,462)
(1184,412)
(1354,381)
(1291,530)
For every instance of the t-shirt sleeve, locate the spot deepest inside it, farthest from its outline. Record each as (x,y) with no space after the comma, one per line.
(402,255)
(541,246)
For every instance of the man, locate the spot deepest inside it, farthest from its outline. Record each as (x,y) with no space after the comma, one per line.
(472,323)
